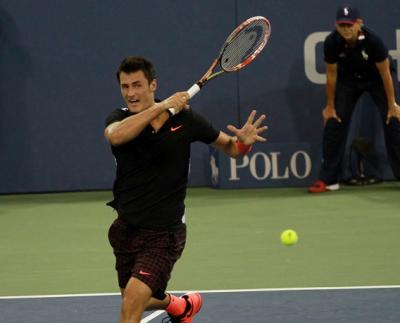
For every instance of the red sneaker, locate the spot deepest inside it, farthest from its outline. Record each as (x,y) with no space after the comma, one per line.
(193,306)
(320,187)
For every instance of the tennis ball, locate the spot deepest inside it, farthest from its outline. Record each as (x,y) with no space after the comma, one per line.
(289,237)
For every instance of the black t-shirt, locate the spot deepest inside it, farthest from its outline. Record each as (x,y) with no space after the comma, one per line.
(152,169)
(356,63)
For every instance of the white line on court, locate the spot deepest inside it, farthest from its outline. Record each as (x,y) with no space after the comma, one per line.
(212,291)
(152,316)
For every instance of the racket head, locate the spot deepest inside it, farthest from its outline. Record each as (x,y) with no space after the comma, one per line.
(245,43)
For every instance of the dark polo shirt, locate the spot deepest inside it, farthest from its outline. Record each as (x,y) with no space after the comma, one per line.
(152,169)
(356,63)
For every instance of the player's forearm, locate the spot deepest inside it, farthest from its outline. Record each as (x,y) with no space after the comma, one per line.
(233,150)
(230,145)
(128,129)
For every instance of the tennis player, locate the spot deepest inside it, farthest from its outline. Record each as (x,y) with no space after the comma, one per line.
(357,61)
(152,150)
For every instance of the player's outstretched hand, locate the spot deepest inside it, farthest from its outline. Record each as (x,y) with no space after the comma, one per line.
(250,132)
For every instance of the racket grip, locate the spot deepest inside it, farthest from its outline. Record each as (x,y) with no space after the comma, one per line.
(193,90)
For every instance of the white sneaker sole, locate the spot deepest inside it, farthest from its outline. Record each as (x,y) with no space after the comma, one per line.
(332,187)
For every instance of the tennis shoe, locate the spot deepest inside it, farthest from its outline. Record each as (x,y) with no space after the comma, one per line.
(193,306)
(321,187)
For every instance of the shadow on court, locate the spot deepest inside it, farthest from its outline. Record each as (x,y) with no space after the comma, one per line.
(306,305)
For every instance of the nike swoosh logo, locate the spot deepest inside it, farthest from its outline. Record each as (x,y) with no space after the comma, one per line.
(144,273)
(176,128)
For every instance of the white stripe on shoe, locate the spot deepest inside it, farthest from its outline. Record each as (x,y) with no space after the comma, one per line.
(333,187)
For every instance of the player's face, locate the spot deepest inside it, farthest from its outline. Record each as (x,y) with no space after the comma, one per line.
(136,90)
(349,32)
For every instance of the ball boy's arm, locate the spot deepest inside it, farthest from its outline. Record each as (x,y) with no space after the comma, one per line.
(330,89)
(384,71)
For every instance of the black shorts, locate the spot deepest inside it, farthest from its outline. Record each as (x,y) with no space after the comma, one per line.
(148,255)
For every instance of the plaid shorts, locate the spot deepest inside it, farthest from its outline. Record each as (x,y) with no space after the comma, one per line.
(148,255)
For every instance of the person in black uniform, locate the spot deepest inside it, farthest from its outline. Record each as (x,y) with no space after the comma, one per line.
(151,147)
(357,61)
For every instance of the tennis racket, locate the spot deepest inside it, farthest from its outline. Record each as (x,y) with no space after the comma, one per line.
(241,47)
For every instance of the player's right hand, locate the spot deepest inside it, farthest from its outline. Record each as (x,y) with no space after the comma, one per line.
(177,101)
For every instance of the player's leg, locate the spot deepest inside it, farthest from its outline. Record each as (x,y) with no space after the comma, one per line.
(154,266)
(335,137)
(127,243)
(179,309)
(137,298)
(392,130)
(183,308)
(153,303)
(134,301)
(144,262)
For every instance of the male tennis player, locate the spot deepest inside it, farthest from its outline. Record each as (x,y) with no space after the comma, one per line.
(152,150)
(357,61)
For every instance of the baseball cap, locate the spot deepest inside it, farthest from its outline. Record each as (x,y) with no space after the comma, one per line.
(347,14)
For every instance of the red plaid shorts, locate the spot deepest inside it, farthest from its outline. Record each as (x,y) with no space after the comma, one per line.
(148,255)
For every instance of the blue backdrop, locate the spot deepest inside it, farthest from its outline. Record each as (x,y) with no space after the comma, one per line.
(57,84)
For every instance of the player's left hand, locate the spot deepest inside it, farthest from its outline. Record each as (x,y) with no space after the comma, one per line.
(249,133)
(393,112)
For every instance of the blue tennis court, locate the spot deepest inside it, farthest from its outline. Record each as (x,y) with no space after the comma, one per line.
(373,304)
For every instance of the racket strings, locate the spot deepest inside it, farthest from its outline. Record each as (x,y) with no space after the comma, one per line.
(242,46)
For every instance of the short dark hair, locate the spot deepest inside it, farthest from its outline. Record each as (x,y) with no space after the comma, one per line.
(133,64)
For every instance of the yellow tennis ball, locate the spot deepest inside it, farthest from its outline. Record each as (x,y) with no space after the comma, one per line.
(289,237)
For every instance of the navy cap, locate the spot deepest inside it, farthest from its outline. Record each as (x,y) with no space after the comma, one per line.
(347,14)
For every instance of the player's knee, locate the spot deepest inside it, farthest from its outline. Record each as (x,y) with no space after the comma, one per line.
(132,302)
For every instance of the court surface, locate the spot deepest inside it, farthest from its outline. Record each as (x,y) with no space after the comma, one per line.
(361,304)
(345,267)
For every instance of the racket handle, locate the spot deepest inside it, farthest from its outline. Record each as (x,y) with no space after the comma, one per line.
(193,90)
